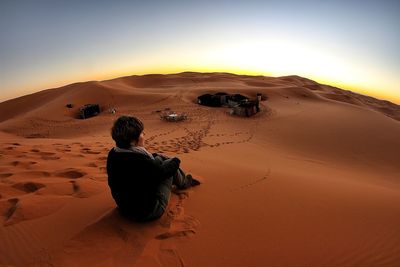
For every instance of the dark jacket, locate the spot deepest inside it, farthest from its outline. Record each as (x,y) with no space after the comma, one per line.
(133,179)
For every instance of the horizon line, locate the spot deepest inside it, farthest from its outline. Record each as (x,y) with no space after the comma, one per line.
(252,74)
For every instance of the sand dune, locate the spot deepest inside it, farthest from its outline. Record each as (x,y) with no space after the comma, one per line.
(311,180)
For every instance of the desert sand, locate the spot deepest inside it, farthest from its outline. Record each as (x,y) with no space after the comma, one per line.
(311,180)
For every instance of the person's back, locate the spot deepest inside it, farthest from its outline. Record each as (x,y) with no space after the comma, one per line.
(133,179)
(140,183)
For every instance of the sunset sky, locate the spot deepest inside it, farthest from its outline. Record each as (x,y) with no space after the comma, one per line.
(351,44)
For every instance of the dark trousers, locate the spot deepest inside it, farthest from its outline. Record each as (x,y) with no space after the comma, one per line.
(164,191)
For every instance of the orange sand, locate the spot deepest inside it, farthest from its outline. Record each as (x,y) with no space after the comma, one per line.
(312,180)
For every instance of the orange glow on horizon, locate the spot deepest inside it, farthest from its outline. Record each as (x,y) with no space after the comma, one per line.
(365,90)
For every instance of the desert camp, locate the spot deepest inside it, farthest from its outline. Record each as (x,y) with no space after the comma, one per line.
(239,105)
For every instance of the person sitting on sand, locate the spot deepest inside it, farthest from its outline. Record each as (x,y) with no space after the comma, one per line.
(141,182)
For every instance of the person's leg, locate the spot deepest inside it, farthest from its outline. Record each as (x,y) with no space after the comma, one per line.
(163,196)
(180,179)
(164,193)
(184,181)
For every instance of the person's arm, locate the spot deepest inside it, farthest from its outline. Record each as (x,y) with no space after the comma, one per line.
(164,157)
(161,169)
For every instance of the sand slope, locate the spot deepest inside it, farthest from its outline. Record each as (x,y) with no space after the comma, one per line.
(312,180)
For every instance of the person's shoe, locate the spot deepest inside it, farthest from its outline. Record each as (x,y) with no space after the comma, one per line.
(191,181)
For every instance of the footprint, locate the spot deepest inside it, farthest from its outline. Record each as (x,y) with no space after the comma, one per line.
(75,187)
(176,233)
(31,207)
(47,153)
(50,157)
(23,164)
(92,164)
(12,207)
(38,174)
(77,155)
(5,175)
(15,163)
(28,187)
(71,173)
(91,152)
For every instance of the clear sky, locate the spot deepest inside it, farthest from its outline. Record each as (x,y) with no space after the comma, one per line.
(351,44)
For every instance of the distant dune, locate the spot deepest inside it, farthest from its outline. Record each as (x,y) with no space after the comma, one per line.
(113,92)
(311,180)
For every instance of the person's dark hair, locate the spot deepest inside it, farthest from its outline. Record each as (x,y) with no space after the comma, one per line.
(125,130)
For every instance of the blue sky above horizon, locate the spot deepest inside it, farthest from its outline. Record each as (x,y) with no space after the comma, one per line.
(350,44)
